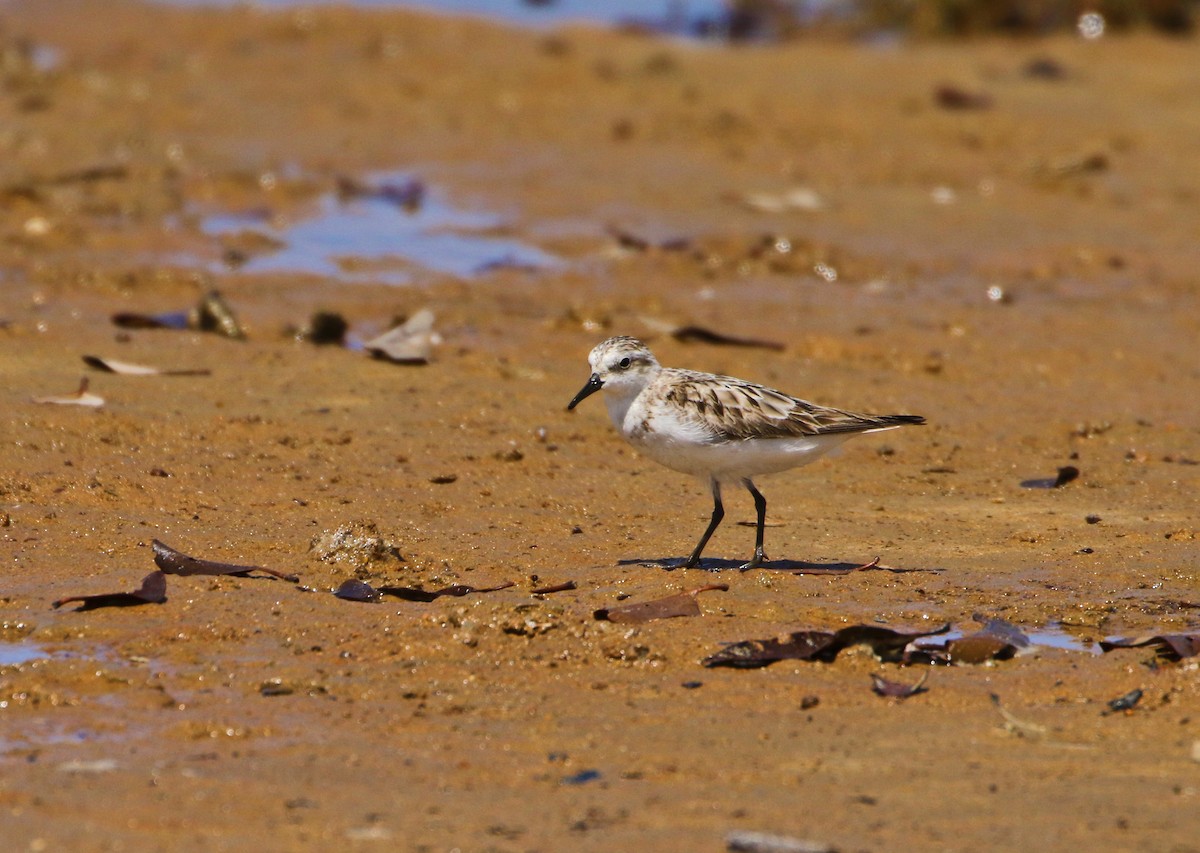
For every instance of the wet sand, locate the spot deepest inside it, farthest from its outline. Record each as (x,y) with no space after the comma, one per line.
(246,713)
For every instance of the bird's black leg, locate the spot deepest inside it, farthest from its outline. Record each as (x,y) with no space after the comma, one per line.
(760,504)
(717,514)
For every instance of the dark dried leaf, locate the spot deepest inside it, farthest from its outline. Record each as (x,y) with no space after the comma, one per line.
(582,777)
(1066,474)
(409,593)
(1171,647)
(896,690)
(1127,702)
(636,243)
(824,646)
(111,365)
(356,590)
(177,563)
(152,591)
(997,640)
(325,327)
(211,314)
(680,604)
(133,320)
(407,194)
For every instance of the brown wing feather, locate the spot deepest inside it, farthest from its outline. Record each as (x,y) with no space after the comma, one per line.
(737,409)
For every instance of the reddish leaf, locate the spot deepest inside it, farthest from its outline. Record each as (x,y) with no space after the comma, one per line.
(177,563)
(1172,647)
(680,604)
(896,690)
(356,590)
(558,587)
(996,640)
(409,593)
(823,646)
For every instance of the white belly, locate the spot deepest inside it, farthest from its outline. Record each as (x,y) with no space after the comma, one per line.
(731,461)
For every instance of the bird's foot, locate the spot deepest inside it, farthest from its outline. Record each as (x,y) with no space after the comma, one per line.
(755,562)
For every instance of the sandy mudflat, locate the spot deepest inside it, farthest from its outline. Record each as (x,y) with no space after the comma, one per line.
(249,714)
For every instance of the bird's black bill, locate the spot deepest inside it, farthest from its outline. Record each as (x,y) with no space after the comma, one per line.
(593,385)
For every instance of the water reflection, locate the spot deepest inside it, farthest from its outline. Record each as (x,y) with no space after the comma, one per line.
(371,238)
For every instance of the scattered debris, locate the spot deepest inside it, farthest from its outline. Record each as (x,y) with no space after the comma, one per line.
(997,640)
(407,194)
(583,777)
(88,768)
(177,563)
(1044,68)
(1015,724)
(152,591)
(275,687)
(1066,474)
(814,645)
(177,320)
(324,328)
(211,314)
(680,604)
(411,342)
(82,397)
(558,587)
(1076,164)
(634,243)
(1125,703)
(796,198)
(111,365)
(1168,647)
(954,98)
(356,590)
(896,690)
(748,841)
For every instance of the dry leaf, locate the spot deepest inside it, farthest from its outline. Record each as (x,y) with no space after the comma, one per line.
(177,563)
(681,604)
(410,343)
(82,397)
(111,365)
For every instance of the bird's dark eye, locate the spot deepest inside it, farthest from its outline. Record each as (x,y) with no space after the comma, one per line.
(624,363)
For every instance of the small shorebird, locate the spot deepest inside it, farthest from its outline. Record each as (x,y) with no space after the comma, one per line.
(722,429)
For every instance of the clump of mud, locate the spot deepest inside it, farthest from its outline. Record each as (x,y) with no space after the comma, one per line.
(357,544)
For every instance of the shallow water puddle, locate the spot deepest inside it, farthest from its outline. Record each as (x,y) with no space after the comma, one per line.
(689,17)
(14,654)
(371,238)
(1051,636)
